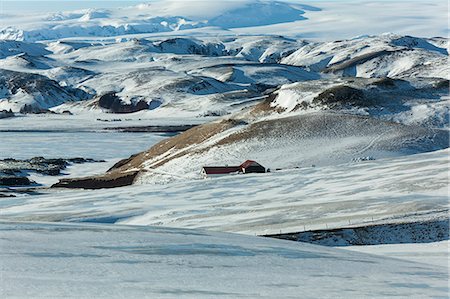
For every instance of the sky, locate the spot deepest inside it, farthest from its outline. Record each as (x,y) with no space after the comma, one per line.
(15,6)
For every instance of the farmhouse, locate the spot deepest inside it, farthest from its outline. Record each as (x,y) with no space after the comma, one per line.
(248,166)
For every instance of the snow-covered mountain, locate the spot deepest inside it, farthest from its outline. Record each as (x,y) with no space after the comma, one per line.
(159,16)
(319,20)
(205,75)
(205,58)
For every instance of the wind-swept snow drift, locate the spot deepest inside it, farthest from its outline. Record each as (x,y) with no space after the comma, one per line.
(59,260)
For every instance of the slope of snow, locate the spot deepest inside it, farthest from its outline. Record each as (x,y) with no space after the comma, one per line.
(430,253)
(387,55)
(10,48)
(385,190)
(411,102)
(300,141)
(36,91)
(86,261)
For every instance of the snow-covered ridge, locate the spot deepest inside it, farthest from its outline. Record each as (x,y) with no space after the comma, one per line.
(210,75)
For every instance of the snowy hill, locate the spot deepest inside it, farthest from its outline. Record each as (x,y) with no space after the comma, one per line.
(29,92)
(209,58)
(383,56)
(302,124)
(205,75)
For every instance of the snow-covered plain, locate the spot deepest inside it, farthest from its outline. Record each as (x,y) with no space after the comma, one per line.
(95,145)
(101,261)
(385,190)
(107,146)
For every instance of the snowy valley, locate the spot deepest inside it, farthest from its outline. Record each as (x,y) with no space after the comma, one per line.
(124,106)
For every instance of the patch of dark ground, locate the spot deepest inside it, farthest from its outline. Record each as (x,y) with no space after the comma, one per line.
(14,172)
(7,192)
(6,114)
(152,129)
(375,234)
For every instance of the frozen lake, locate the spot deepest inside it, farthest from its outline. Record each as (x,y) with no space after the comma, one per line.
(96,145)
(109,146)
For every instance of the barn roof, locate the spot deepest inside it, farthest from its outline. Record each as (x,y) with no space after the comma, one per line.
(231,169)
(221,169)
(249,163)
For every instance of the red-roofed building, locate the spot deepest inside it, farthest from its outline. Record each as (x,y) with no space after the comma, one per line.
(251,166)
(248,166)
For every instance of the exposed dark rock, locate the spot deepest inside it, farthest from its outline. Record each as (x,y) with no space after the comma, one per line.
(388,233)
(122,162)
(214,113)
(15,181)
(114,104)
(2,195)
(385,83)
(13,172)
(108,100)
(154,129)
(442,84)
(112,181)
(46,92)
(32,109)
(6,114)
(340,96)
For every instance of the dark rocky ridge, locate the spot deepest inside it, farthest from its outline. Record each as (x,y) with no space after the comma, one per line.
(118,180)
(114,104)
(375,234)
(15,181)
(152,129)
(6,114)
(13,172)
(341,95)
